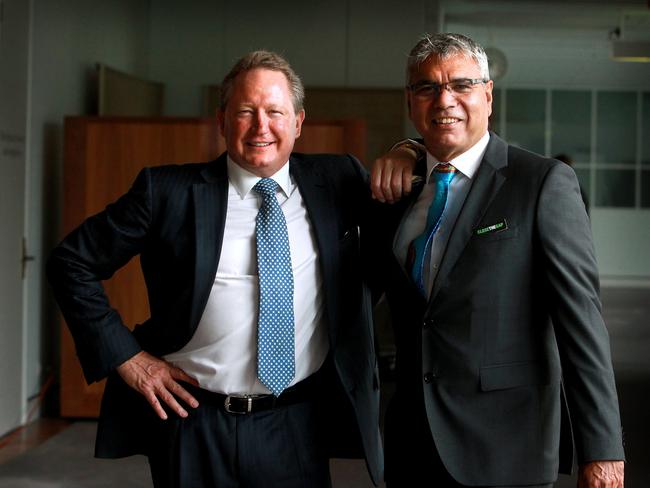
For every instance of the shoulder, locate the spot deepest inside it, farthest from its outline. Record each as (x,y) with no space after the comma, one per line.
(329,166)
(323,159)
(181,174)
(178,170)
(553,182)
(534,167)
(173,182)
(343,176)
(529,159)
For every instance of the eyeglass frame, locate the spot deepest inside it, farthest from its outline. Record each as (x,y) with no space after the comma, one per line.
(438,87)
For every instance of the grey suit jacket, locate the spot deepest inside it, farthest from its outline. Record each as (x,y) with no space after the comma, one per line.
(174,217)
(514,314)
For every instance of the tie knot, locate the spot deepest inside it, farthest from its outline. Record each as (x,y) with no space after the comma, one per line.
(444,168)
(443,172)
(266,187)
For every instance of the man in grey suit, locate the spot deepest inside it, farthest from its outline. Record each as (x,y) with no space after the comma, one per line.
(491,278)
(186,388)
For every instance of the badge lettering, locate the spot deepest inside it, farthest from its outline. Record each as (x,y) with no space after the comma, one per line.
(498,227)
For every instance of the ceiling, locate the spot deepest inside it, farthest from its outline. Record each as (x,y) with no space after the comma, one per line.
(603,15)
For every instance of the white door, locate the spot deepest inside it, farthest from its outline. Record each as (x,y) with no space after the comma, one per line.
(14,35)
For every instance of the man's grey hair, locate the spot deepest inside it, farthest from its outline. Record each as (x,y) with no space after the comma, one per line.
(443,46)
(263,60)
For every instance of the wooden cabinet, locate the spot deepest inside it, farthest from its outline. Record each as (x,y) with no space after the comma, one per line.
(102,158)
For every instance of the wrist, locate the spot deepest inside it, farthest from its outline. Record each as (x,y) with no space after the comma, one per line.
(413,148)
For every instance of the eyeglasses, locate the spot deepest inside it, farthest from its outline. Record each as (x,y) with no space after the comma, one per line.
(428,89)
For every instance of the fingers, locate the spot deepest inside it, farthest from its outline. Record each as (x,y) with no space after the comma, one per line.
(183,376)
(156,379)
(166,396)
(376,175)
(391,176)
(153,401)
(385,181)
(181,392)
(386,185)
(602,474)
(407,181)
(396,184)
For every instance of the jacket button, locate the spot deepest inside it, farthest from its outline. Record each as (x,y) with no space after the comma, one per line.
(428,323)
(429,377)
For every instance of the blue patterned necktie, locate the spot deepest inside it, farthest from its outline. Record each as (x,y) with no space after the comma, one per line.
(275,332)
(420,247)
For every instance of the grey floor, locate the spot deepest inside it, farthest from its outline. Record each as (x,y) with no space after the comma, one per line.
(65,461)
(627,313)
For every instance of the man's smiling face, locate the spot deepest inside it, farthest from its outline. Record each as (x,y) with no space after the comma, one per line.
(450,122)
(259,122)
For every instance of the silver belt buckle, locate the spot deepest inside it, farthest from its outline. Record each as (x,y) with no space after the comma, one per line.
(249,404)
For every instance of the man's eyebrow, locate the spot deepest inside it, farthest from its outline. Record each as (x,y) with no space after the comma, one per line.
(431,82)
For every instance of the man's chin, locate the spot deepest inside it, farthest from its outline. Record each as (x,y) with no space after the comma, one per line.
(262,167)
(442,146)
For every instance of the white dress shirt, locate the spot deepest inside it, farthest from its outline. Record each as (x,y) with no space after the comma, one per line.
(415,219)
(222,354)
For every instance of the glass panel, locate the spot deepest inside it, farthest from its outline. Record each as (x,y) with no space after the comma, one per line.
(525,113)
(645,131)
(614,188)
(571,125)
(616,128)
(495,118)
(645,189)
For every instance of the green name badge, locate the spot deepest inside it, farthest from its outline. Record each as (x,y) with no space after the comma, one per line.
(498,227)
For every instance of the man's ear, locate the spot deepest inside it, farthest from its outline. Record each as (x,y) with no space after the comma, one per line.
(300,118)
(488,93)
(220,121)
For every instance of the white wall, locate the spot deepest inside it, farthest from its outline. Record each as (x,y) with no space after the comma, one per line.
(622,240)
(69,37)
(14,51)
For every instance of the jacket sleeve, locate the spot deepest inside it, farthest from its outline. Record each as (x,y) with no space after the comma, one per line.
(573,293)
(89,254)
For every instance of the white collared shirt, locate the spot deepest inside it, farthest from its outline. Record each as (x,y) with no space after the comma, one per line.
(222,354)
(415,219)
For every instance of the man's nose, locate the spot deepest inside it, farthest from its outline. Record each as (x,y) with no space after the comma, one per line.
(445,97)
(261,121)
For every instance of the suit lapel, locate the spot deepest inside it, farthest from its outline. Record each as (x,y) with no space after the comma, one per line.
(210,205)
(487,182)
(315,190)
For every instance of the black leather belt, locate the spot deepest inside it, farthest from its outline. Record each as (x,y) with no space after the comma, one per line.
(247,404)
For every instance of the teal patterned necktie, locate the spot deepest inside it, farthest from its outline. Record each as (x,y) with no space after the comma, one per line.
(420,247)
(275,332)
